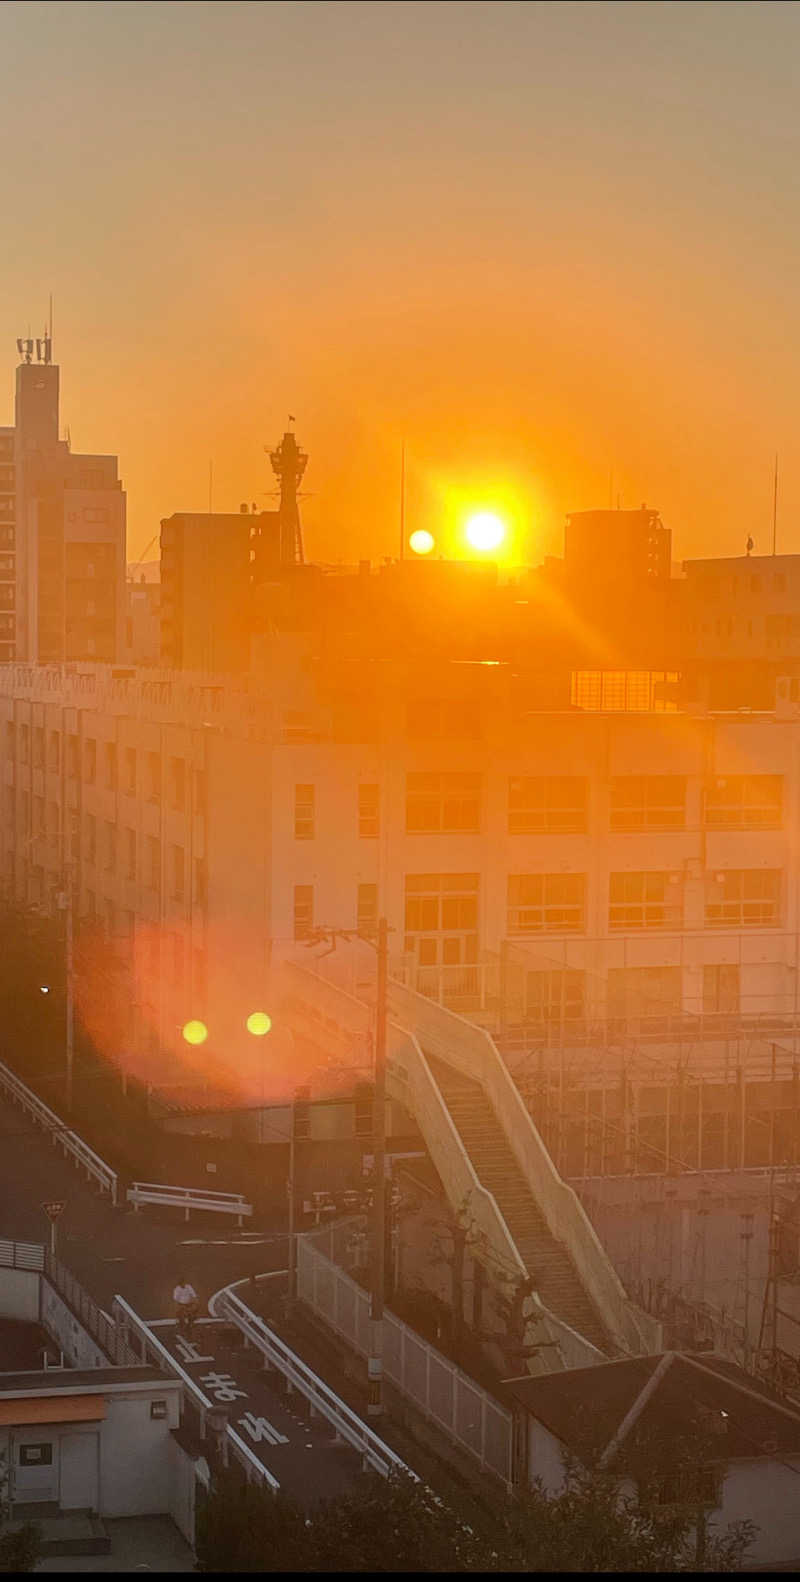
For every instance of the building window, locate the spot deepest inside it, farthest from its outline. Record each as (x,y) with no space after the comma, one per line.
(200,881)
(636,993)
(154,862)
(130,854)
(90,833)
(553,999)
(369,811)
(744,802)
(178,863)
(38,747)
(90,910)
(90,760)
(177,769)
(111,846)
(154,776)
(648,802)
(130,770)
(743,898)
(446,803)
(645,900)
(441,918)
(546,903)
(367,910)
(38,816)
(304,812)
(53,824)
(721,990)
(200,790)
(73,760)
(54,754)
(303,910)
(23,744)
(549,804)
(110,752)
(10,738)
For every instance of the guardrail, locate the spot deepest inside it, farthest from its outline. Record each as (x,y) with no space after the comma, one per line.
(459,1407)
(346,1423)
(21,1255)
(61,1133)
(130,1324)
(102,1329)
(189,1198)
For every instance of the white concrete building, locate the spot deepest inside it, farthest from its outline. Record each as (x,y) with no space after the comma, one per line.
(626,865)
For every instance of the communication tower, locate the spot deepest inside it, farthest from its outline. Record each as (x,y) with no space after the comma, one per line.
(289,464)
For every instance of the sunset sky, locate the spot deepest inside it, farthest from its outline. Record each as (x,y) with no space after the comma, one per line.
(545,243)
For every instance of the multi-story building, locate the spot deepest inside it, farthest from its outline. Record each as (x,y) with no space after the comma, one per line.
(62,532)
(205,591)
(625,865)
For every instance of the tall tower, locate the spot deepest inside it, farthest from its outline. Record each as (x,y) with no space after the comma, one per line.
(288,465)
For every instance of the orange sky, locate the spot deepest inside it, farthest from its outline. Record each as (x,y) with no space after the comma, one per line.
(544,243)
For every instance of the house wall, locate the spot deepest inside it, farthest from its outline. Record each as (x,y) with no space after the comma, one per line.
(183,1488)
(768,1492)
(136,1455)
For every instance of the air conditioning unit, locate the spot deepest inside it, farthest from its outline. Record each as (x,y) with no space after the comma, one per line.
(787,698)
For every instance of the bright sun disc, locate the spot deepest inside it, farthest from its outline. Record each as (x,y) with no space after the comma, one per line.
(421,541)
(258,1023)
(485,530)
(195,1032)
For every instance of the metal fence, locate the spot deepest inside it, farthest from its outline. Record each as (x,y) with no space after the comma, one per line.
(102,1329)
(132,1328)
(21,1255)
(465,1412)
(61,1134)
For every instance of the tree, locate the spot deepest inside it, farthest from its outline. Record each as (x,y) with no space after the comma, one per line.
(21,1550)
(603,1519)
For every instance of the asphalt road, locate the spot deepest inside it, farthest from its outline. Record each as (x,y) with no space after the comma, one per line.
(116,1251)
(299,1450)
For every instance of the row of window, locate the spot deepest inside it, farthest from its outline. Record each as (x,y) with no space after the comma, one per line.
(641,993)
(115,772)
(450,802)
(553,903)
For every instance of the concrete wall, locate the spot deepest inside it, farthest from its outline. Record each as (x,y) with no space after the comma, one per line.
(136,1455)
(60,1322)
(183,1490)
(19,1294)
(767,1493)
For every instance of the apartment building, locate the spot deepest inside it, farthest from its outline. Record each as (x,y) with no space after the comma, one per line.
(62,532)
(630,862)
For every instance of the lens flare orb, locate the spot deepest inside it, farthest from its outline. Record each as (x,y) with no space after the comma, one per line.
(421,541)
(258,1023)
(195,1032)
(485,530)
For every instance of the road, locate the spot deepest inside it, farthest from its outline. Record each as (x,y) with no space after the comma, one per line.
(299,1450)
(116,1251)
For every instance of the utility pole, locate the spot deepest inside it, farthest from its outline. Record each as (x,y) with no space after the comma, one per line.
(378,1291)
(65,902)
(378,1238)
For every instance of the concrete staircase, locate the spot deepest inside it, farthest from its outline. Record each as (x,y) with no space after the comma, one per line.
(547,1261)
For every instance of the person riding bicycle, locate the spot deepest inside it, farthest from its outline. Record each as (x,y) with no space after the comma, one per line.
(187,1304)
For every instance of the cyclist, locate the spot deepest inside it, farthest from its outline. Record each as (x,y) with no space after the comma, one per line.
(187,1304)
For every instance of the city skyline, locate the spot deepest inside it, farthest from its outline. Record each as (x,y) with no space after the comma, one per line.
(467,229)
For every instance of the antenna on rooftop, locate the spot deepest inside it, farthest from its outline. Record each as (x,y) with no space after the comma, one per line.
(775,508)
(403,500)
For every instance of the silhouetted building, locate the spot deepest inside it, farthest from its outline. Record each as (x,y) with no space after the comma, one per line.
(62,532)
(205,590)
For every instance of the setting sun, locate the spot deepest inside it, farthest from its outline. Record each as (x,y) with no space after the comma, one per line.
(421,541)
(485,530)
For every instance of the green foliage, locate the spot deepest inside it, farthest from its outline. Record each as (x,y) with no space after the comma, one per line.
(601,1520)
(19,1551)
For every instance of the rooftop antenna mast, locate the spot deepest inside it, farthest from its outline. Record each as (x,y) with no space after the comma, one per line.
(775,508)
(288,464)
(403,500)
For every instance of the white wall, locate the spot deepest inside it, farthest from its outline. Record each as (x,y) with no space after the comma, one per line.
(136,1465)
(76,1344)
(182,1489)
(768,1492)
(19,1294)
